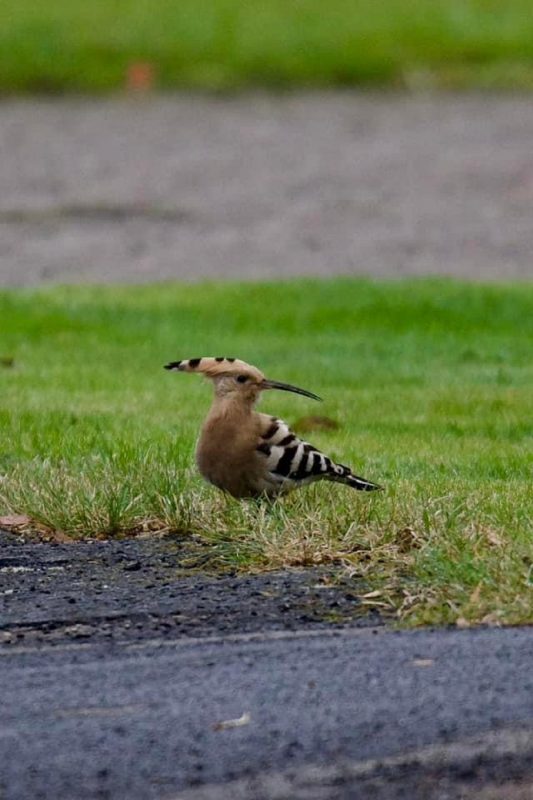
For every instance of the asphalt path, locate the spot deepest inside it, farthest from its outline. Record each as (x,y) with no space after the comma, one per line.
(260,186)
(229,716)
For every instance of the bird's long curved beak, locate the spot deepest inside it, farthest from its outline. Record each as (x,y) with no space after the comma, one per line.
(286,387)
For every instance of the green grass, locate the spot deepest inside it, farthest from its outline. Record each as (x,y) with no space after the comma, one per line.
(431,382)
(69,45)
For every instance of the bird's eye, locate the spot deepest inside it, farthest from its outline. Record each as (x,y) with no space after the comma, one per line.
(242,378)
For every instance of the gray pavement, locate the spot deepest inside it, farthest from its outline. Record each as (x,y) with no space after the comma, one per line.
(152,719)
(258,186)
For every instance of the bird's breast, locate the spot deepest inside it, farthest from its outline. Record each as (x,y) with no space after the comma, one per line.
(226,456)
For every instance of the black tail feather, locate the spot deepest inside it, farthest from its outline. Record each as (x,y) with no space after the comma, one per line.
(345,475)
(362,484)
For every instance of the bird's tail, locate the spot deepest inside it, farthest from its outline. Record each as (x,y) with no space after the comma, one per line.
(343,474)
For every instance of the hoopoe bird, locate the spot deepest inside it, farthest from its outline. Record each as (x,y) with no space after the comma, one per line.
(249,454)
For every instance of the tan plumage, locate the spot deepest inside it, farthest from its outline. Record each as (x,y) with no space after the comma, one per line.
(249,454)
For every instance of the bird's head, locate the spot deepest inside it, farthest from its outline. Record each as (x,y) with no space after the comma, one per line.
(234,377)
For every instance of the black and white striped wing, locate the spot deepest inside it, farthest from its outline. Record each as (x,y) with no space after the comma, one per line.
(291,462)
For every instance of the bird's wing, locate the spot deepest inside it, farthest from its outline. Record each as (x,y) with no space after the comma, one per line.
(289,461)
(288,458)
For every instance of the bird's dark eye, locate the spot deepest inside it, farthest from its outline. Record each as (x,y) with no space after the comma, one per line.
(242,378)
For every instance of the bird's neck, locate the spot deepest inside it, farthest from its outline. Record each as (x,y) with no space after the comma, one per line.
(231,406)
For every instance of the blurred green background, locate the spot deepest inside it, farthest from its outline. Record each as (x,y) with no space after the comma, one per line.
(78,46)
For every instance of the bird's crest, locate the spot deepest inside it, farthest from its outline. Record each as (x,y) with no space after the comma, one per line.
(211,367)
(214,367)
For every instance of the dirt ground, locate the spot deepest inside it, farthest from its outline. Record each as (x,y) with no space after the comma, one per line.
(260,186)
(122,591)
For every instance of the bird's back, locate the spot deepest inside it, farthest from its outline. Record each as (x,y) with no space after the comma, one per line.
(289,462)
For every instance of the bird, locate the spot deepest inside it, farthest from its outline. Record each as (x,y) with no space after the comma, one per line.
(252,455)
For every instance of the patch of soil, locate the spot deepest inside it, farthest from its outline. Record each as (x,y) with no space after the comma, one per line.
(152,587)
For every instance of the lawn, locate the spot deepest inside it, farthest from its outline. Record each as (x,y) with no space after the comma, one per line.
(70,45)
(430,382)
